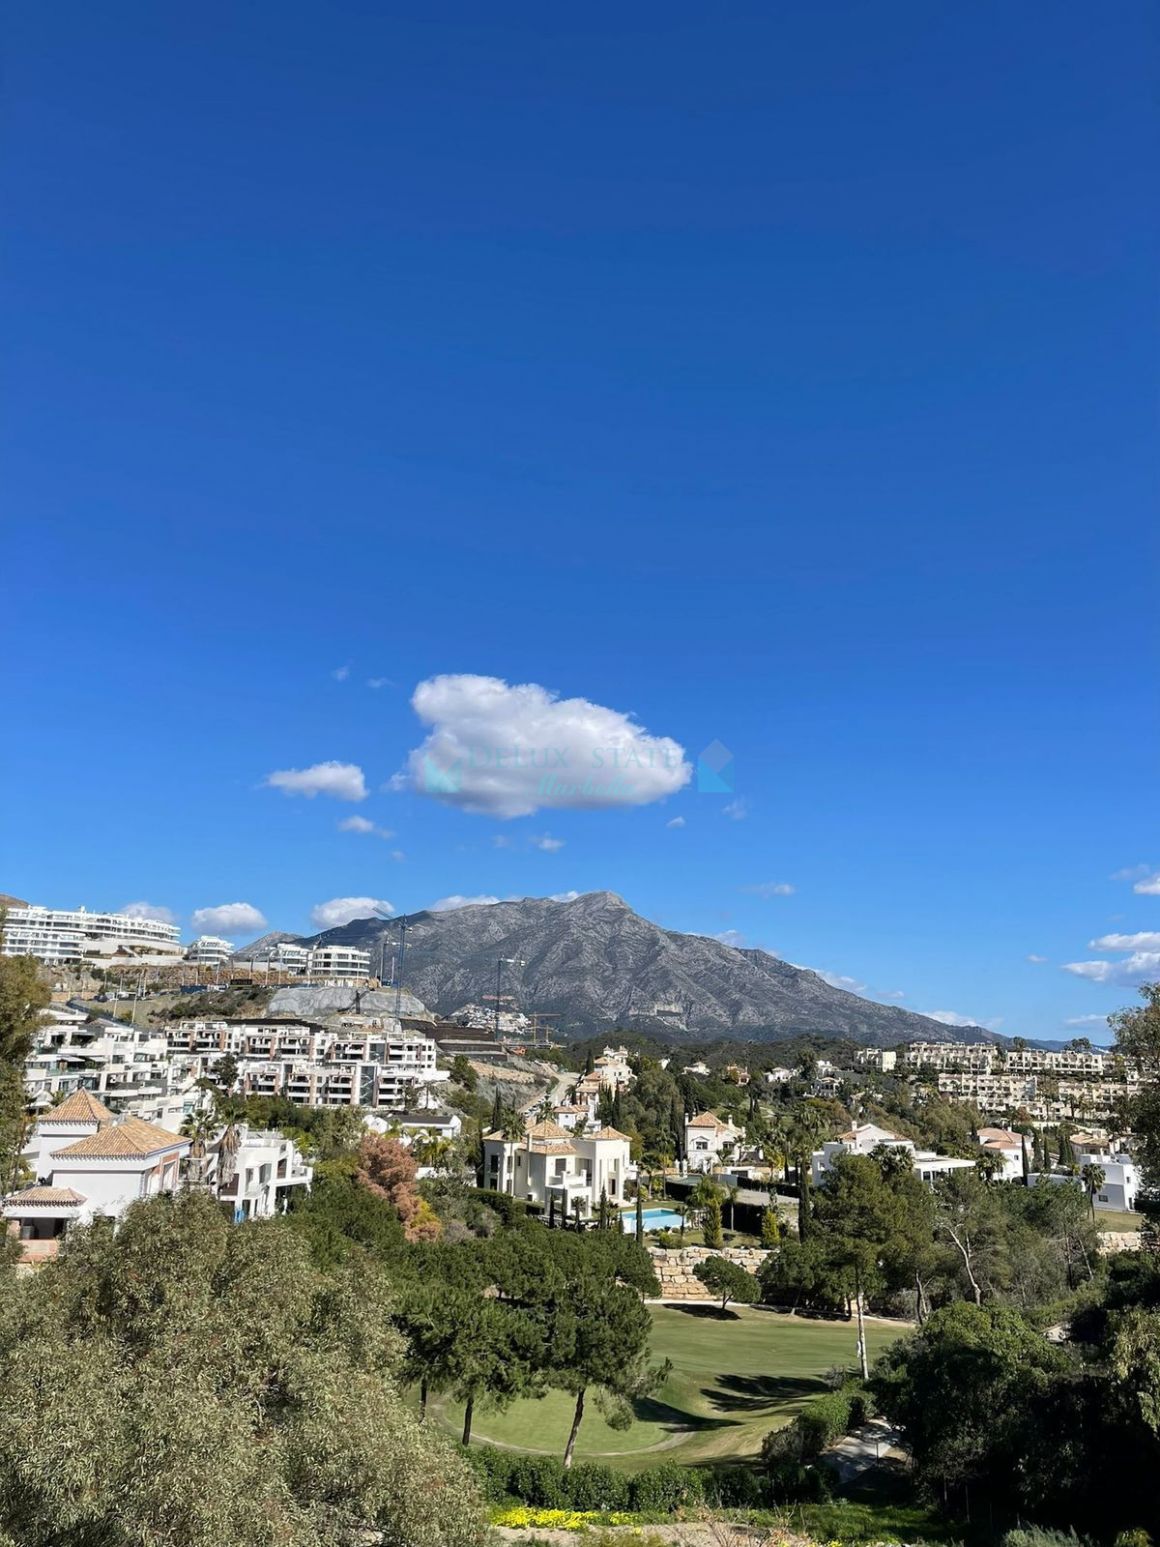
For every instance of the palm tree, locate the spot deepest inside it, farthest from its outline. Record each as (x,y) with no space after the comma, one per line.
(1093,1178)
(513,1127)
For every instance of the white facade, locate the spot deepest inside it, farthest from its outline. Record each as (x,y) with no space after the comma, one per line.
(865,1138)
(60,935)
(708,1140)
(339,963)
(209,951)
(130,1068)
(256,1172)
(554,1168)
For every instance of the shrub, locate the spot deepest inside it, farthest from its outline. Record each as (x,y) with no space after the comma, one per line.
(593,1486)
(1137,1538)
(790,1482)
(538,1480)
(1042,1536)
(735,1487)
(493,1468)
(665,1488)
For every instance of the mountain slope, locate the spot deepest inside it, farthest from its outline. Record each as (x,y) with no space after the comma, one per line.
(596,964)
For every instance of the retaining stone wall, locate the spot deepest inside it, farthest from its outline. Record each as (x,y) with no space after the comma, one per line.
(675,1268)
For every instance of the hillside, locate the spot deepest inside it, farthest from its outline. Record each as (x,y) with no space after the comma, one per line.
(595,964)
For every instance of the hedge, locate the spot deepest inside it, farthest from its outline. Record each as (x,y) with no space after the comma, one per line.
(542,1481)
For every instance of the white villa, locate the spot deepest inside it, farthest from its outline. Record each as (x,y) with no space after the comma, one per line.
(89,1165)
(864,1138)
(707,1139)
(1006,1147)
(550,1164)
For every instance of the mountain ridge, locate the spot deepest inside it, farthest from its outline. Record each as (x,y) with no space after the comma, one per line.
(595,965)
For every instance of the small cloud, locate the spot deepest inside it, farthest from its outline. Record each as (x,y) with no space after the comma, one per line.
(769,889)
(563,897)
(895,993)
(362,824)
(731,937)
(736,810)
(149,910)
(501,841)
(1086,1020)
(1038,960)
(340,673)
(1137,968)
(398,856)
(547,844)
(1149,886)
(379,682)
(456,901)
(341,781)
(1131,872)
(229,918)
(949,1018)
(1145,940)
(344,910)
(840,980)
(677,821)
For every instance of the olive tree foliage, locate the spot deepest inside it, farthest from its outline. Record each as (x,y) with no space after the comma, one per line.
(188,1381)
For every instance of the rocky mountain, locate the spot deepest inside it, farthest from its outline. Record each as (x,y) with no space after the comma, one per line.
(595,964)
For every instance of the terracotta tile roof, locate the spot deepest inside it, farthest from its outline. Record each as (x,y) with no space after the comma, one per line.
(706,1120)
(1002,1136)
(607,1133)
(43,1195)
(131,1136)
(547,1131)
(81,1107)
(555,1148)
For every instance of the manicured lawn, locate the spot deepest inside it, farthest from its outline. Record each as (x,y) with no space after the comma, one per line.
(733,1380)
(1116,1219)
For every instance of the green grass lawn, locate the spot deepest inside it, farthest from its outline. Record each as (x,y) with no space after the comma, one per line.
(1117,1219)
(732,1381)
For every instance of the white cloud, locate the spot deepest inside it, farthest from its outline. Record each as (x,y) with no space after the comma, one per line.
(1086,1020)
(677,821)
(501,841)
(510,750)
(840,980)
(340,673)
(341,781)
(1149,886)
(895,993)
(736,810)
(229,918)
(398,856)
(1137,968)
(450,904)
(563,897)
(949,1017)
(1038,960)
(362,824)
(732,937)
(1146,940)
(769,889)
(548,844)
(379,682)
(149,910)
(343,910)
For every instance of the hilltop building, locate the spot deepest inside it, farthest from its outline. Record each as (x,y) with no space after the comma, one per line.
(63,936)
(557,1169)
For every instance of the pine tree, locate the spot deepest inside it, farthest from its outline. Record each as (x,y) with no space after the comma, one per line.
(711,1225)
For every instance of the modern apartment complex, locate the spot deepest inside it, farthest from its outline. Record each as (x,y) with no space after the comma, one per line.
(368,1063)
(62,936)
(209,951)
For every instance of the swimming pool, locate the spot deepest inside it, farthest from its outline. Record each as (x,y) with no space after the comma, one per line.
(654,1219)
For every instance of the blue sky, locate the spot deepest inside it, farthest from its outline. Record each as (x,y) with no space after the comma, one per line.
(782,376)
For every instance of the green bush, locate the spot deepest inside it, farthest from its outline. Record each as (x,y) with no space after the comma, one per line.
(735,1487)
(593,1486)
(1137,1538)
(665,1488)
(493,1468)
(538,1480)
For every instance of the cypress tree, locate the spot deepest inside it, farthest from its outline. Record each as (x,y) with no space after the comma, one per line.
(496,1112)
(639,1216)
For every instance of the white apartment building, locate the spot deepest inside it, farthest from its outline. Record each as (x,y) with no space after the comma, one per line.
(884,1059)
(1121,1181)
(60,936)
(361,1062)
(985,1057)
(209,951)
(553,1167)
(129,1068)
(338,964)
(256,1171)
